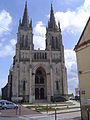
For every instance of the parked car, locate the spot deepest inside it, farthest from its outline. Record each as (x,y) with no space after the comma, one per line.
(77,98)
(72,98)
(58,99)
(0,106)
(8,105)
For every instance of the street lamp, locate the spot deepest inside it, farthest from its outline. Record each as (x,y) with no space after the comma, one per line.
(55,114)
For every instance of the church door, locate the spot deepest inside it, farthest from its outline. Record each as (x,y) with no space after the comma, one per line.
(40,84)
(42,93)
(36,93)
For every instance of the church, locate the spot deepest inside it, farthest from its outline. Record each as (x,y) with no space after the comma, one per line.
(37,75)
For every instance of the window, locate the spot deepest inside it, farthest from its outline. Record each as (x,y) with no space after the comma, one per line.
(56,43)
(37,56)
(57,87)
(52,42)
(24,85)
(22,43)
(34,55)
(45,55)
(36,79)
(42,55)
(26,41)
(41,80)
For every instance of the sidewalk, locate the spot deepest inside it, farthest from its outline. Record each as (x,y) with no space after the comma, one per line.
(25,111)
(21,111)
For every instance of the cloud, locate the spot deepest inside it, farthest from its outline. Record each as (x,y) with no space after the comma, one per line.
(74,21)
(87,4)
(39,35)
(7,50)
(13,42)
(70,61)
(5,22)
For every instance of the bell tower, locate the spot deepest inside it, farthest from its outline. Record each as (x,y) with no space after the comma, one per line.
(53,33)
(25,36)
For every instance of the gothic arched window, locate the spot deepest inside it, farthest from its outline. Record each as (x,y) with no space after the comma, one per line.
(34,55)
(56,43)
(22,41)
(42,55)
(52,42)
(45,55)
(24,85)
(26,41)
(41,80)
(36,79)
(57,86)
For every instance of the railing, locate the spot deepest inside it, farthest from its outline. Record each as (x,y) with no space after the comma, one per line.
(39,55)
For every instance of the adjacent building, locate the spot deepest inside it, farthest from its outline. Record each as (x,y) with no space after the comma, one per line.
(38,74)
(82,50)
(7,90)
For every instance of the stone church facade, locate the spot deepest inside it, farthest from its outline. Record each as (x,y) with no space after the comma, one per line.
(38,74)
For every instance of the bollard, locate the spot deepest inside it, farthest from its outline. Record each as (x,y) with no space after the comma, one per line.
(47,108)
(16,110)
(20,110)
(67,106)
(88,113)
(35,107)
(55,114)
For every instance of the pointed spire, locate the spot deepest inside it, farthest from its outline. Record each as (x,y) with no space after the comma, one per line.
(25,21)
(52,8)
(20,22)
(59,26)
(30,25)
(52,22)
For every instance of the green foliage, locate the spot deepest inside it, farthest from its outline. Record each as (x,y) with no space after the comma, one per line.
(0,97)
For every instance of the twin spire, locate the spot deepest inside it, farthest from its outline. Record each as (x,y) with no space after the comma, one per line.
(51,23)
(25,20)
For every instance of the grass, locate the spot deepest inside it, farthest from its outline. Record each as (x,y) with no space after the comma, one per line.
(49,108)
(44,107)
(51,104)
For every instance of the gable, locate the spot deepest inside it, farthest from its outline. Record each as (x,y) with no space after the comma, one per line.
(85,36)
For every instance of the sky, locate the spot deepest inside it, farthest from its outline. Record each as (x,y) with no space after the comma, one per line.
(72,14)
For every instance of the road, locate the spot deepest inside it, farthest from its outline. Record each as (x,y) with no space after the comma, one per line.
(65,116)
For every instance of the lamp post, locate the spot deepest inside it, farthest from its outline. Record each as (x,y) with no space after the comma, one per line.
(55,114)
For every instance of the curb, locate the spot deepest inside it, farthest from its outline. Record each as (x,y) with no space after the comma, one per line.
(9,116)
(41,113)
(64,112)
(58,112)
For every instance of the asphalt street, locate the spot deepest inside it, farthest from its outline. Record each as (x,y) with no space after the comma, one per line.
(66,116)
(31,118)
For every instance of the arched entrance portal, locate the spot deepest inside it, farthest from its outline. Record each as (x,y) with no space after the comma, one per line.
(40,84)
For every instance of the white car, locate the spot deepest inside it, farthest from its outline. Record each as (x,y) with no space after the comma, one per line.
(8,105)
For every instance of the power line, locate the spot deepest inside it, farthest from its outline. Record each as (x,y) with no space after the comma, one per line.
(7,30)
(16,33)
